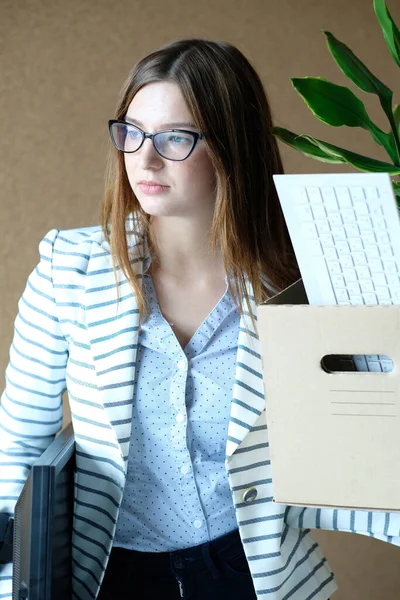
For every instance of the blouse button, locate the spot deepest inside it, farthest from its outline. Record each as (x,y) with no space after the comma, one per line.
(198,523)
(250,495)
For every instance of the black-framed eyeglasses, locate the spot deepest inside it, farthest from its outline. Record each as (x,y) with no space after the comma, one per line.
(172,144)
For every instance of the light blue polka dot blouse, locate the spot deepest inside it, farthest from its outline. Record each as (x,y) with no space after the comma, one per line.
(177,492)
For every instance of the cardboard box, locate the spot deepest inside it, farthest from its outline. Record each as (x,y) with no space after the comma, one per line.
(334,437)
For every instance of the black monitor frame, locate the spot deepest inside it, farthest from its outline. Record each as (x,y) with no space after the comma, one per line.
(43,525)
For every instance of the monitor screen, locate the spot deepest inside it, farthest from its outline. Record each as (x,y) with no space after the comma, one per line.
(43,525)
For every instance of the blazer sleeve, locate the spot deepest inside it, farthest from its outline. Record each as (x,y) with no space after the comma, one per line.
(382,525)
(31,404)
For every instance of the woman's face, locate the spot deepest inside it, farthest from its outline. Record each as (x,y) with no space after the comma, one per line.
(189,185)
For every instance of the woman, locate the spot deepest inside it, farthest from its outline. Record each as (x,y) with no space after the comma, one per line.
(150,323)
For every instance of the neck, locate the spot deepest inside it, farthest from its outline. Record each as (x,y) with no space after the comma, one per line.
(181,246)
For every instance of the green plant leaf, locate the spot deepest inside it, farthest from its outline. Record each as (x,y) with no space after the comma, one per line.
(355,70)
(363,163)
(396,189)
(359,73)
(396,116)
(336,105)
(329,153)
(299,142)
(389,28)
(331,103)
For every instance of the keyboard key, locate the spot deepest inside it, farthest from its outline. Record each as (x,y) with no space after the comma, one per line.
(339,233)
(375,265)
(393,280)
(379,279)
(348,215)
(375,210)
(305,212)
(386,251)
(371,357)
(363,273)
(359,258)
(342,247)
(314,247)
(334,267)
(346,261)
(382,292)
(356,300)
(328,194)
(309,230)
(338,281)
(300,195)
(319,211)
(368,237)
(360,362)
(357,193)
(361,208)
(364,223)
(355,244)
(314,195)
(366,286)
(374,366)
(352,230)
(372,251)
(330,254)
(371,192)
(379,223)
(387,366)
(395,293)
(326,240)
(343,197)
(390,267)
(323,227)
(335,219)
(353,289)
(370,299)
(382,237)
(350,275)
(341,295)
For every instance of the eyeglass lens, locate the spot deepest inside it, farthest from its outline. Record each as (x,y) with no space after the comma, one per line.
(175,145)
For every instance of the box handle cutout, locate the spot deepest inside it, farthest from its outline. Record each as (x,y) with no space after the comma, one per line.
(345,363)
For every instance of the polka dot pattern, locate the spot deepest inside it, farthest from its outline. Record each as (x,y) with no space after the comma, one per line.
(177,492)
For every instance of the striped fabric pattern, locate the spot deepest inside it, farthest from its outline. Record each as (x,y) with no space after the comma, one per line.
(71,333)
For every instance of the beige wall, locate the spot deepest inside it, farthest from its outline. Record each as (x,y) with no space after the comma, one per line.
(61,66)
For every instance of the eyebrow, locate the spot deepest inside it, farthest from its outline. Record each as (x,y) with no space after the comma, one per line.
(164,125)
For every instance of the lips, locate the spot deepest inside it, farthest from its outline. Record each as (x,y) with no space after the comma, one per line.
(152,187)
(151,183)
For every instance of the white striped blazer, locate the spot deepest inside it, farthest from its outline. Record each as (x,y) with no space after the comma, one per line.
(71,334)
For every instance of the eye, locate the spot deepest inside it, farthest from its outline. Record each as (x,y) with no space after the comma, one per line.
(178,139)
(133,133)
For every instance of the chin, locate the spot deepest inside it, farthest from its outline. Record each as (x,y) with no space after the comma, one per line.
(157,207)
(161,206)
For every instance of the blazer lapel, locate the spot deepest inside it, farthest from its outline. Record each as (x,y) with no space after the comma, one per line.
(248,400)
(113,333)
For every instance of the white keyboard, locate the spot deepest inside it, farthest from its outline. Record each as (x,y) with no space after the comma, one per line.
(345,230)
(376,363)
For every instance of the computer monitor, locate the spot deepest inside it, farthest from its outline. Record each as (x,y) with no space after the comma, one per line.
(43,525)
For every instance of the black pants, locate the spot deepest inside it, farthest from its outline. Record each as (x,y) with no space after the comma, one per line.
(210,571)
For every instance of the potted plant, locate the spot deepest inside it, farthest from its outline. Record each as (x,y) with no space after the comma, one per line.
(337,105)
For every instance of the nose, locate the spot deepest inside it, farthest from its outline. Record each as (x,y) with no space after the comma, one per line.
(149,157)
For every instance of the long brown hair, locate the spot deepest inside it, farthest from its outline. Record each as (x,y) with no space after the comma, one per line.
(227,101)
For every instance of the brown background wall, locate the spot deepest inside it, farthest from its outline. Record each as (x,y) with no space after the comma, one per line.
(61,67)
